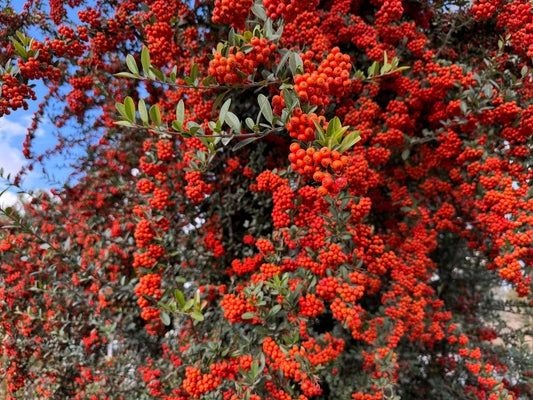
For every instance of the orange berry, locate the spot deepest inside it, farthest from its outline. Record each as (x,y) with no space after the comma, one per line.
(337,165)
(294,147)
(318,176)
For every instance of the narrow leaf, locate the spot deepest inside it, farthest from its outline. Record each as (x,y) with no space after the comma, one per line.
(155,115)
(180,112)
(245,142)
(351,139)
(145,60)
(124,123)
(197,315)
(320,134)
(142,112)
(249,315)
(265,107)
(126,75)
(179,297)
(224,110)
(121,109)
(132,65)
(259,12)
(129,107)
(233,121)
(165,318)
(194,71)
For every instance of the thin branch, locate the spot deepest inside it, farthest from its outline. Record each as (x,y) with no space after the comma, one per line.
(263,83)
(446,38)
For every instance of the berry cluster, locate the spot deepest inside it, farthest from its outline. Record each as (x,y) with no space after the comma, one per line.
(288,9)
(235,306)
(311,161)
(310,306)
(149,286)
(237,66)
(232,12)
(318,85)
(196,383)
(301,125)
(13,94)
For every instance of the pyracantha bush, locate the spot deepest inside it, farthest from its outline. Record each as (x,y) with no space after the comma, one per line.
(279,199)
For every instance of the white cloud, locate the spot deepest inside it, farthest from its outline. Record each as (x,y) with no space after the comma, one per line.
(12,133)
(13,130)
(9,129)
(11,159)
(8,199)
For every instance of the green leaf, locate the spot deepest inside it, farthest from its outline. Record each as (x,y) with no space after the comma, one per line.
(180,112)
(233,121)
(373,69)
(249,315)
(231,37)
(124,123)
(142,112)
(255,368)
(332,127)
(259,12)
(21,51)
(194,71)
(165,318)
(188,304)
(155,115)
(288,99)
(224,110)
(405,154)
(126,75)
(178,294)
(132,65)
(295,63)
(197,315)
(145,61)
(282,62)
(155,72)
(265,107)
(250,123)
(385,68)
(245,142)
(351,139)
(276,309)
(129,107)
(218,101)
(320,134)
(121,109)
(337,135)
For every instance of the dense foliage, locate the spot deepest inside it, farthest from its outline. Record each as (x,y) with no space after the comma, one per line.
(291,199)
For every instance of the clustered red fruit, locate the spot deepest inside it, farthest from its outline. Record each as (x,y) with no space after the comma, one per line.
(287,9)
(232,12)
(319,85)
(314,162)
(235,306)
(149,286)
(301,125)
(226,69)
(13,94)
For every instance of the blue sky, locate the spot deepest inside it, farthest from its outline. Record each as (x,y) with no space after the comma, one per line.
(13,129)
